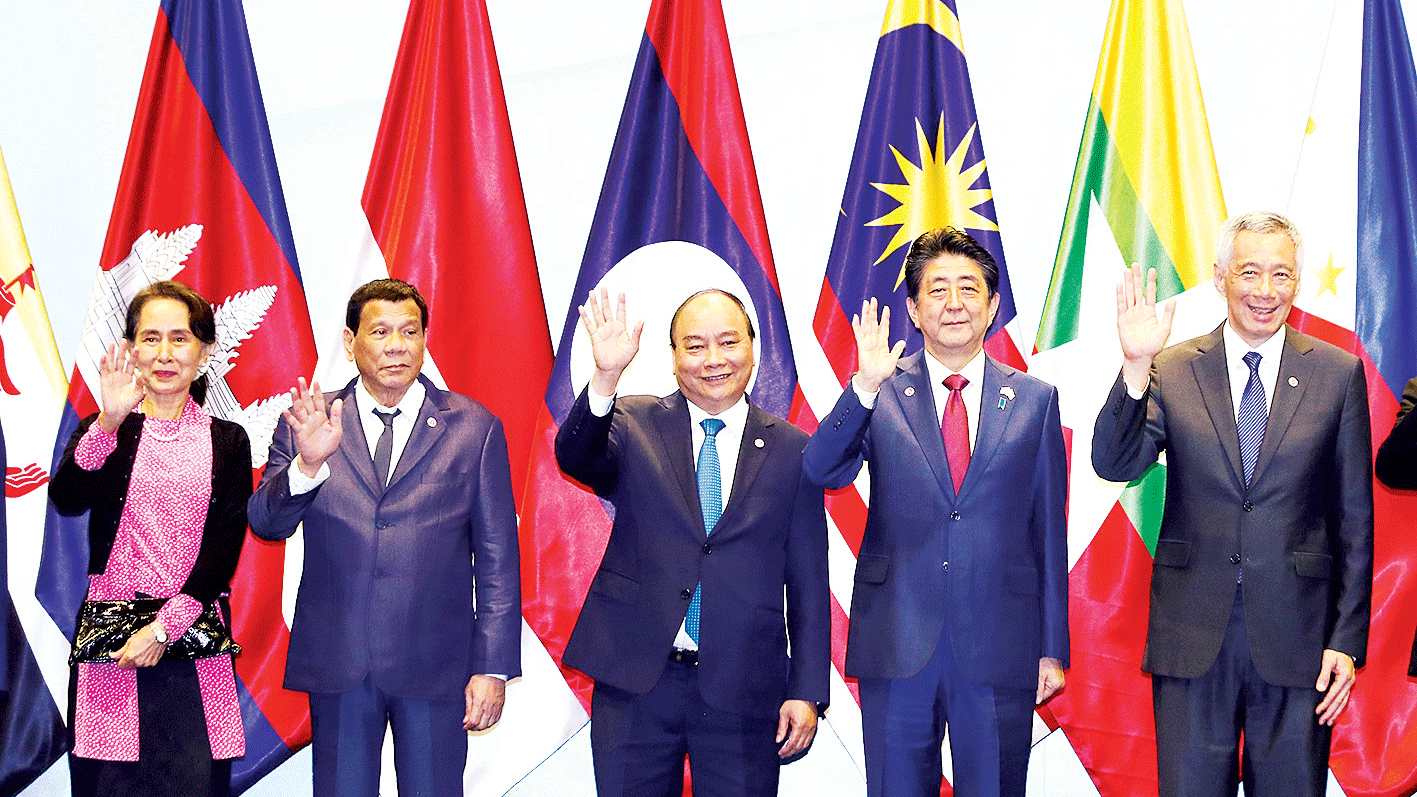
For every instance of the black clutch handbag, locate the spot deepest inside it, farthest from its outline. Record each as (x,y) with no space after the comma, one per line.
(105,626)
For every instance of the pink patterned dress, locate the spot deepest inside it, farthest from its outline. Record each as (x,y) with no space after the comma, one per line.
(158,539)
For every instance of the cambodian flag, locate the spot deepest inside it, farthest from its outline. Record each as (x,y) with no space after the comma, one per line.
(199,200)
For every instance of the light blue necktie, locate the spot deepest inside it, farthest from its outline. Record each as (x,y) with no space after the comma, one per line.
(1252,417)
(710,503)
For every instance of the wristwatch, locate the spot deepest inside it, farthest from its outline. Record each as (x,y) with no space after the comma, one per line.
(159,633)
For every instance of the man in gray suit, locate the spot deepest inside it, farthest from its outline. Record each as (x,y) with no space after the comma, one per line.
(409,612)
(1263,568)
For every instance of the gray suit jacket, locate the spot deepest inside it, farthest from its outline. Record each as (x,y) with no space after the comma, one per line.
(392,575)
(1302,533)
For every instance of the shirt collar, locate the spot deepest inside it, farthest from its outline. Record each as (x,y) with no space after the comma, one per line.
(1236,348)
(409,405)
(735,416)
(972,370)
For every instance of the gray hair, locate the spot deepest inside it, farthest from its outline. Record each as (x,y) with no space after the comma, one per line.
(1263,222)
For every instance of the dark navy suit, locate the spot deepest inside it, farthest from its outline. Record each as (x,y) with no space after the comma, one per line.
(767,550)
(968,590)
(412,588)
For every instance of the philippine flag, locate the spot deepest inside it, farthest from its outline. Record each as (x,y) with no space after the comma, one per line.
(199,200)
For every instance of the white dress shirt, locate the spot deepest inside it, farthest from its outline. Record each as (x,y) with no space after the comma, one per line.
(728,441)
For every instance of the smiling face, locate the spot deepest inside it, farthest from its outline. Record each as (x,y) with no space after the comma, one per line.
(953,309)
(1259,284)
(713,352)
(168,353)
(388,348)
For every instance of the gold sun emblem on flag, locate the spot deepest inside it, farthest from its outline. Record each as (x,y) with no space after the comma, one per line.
(935,193)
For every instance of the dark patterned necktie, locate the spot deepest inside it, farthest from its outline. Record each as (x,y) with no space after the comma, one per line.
(1252,417)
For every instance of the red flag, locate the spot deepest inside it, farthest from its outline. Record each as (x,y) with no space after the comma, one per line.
(444,201)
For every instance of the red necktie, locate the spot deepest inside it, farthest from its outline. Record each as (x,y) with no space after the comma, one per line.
(956,430)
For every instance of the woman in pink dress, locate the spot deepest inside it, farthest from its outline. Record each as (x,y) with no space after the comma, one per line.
(166,487)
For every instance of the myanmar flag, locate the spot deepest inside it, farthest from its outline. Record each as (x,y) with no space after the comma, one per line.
(1144,190)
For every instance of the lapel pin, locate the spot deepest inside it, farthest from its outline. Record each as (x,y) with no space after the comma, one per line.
(1006,394)
(758,441)
(910,391)
(432,422)
(1293,381)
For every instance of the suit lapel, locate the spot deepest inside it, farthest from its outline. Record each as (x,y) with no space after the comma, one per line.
(427,430)
(993,421)
(752,452)
(1294,372)
(1213,378)
(672,421)
(355,445)
(917,402)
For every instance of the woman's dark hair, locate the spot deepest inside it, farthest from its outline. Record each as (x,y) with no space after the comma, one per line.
(201,320)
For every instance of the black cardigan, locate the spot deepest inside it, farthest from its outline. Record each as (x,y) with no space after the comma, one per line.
(102,492)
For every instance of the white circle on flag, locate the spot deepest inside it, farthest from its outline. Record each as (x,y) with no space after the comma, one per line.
(656,279)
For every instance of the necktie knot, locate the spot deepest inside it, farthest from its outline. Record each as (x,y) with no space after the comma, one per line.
(956,382)
(712,426)
(1252,359)
(387,417)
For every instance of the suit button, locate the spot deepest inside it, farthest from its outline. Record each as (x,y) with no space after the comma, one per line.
(945,566)
(954,516)
(1247,506)
(381,525)
(1234,558)
(708,548)
(686,594)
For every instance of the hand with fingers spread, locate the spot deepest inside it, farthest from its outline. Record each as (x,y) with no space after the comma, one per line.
(875,356)
(1142,334)
(121,385)
(612,342)
(317,433)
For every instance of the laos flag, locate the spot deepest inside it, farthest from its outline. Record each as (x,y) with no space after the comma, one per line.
(199,201)
(679,212)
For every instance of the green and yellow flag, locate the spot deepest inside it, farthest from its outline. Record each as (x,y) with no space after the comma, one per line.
(1145,190)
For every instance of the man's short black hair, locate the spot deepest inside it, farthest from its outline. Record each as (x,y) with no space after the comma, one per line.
(747,319)
(387,290)
(948,241)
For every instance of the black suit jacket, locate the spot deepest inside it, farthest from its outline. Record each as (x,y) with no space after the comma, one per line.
(1397,463)
(1302,533)
(770,543)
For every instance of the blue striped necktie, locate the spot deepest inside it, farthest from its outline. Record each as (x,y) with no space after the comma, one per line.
(1252,417)
(710,503)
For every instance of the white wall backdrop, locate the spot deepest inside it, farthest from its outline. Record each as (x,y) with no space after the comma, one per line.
(70,72)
